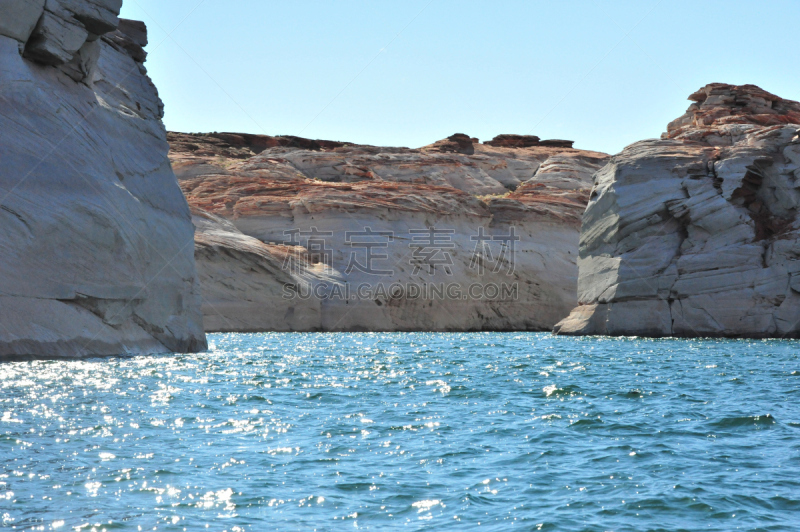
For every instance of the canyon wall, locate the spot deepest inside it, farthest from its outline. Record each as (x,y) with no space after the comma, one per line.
(697,233)
(97,250)
(304,235)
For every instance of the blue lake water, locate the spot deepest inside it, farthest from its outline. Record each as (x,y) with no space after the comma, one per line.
(481,431)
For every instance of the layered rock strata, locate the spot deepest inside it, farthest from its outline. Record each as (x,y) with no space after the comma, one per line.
(284,236)
(459,161)
(97,252)
(697,233)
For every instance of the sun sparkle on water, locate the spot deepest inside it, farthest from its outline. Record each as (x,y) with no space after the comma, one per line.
(412,431)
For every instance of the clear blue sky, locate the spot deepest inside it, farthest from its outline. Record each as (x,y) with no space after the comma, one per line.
(407,73)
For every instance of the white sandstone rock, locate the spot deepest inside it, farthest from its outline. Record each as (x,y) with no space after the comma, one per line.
(247,286)
(697,234)
(97,253)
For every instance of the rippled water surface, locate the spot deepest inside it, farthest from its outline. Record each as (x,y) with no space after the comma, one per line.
(411,431)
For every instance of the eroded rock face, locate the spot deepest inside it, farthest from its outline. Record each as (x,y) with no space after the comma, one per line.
(458,161)
(97,250)
(697,234)
(258,275)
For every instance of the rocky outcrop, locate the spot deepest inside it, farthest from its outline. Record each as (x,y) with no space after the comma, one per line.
(526,141)
(282,236)
(96,255)
(697,234)
(458,143)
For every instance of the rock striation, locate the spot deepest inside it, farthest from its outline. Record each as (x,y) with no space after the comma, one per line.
(277,228)
(697,233)
(97,248)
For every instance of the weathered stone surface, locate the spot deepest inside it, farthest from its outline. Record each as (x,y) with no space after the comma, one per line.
(571,169)
(19,17)
(63,27)
(83,65)
(57,36)
(97,16)
(338,187)
(130,36)
(244,281)
(96,255)
(697,231)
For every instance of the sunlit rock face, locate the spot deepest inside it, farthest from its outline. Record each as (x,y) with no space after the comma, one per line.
(697,234)
(281,225)
(97,250)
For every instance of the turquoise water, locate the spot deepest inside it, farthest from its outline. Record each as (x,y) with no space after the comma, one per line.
(407,431)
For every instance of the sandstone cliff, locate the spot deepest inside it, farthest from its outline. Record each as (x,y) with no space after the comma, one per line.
(96,255)
(250,192)
(697,234)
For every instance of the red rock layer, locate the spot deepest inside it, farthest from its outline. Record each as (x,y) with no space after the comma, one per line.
(351,178)
(719,104)
(562,205)
(238,196)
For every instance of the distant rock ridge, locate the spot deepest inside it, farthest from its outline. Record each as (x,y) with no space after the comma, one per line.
(698,233)
(458,161)
(244,204)
(526,141)
(243,145)
(96,256)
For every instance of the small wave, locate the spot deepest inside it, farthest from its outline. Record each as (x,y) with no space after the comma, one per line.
(261,398)
(745,421)
(586,423)
(633,394)
(784,504)
(440,386)
(8,417)
(424,506)
(567,391)
(550,417)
